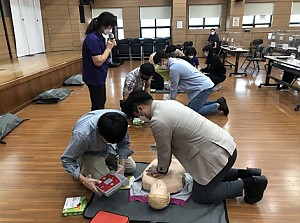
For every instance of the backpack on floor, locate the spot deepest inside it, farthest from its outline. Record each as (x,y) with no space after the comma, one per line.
(52,96)
(8,122)
(75,80)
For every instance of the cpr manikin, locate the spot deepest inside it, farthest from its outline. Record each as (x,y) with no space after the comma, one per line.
(161,187)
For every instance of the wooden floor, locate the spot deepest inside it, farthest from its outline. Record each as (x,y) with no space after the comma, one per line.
(16,69)
(22,79)
(263,122)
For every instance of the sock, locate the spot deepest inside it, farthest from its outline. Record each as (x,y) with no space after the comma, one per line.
(248,183)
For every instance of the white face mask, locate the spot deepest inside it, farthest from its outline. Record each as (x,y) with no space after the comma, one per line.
(206,54)
(212,33)
(106,31)
(191,57)
(164,67)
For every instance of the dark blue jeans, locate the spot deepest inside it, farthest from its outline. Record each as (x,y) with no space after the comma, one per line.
(203,106)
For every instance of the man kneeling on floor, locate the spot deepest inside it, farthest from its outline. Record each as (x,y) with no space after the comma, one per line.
(99,142)
(197,85)
(205,150)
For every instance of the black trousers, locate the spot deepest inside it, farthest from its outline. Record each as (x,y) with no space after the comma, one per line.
(217,79)
(288,77)
(225,185)
(98,96)
(157,82)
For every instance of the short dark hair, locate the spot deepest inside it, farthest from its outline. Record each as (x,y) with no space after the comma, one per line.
(147,69)
(212,29)
(191,51)
(135,99)
(171,48)
(208,48)
(158,56)
(112,126)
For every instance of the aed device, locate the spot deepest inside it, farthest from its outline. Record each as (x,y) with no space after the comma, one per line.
(111,182)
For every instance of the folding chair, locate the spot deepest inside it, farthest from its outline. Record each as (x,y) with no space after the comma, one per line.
(254,45)
(257,57)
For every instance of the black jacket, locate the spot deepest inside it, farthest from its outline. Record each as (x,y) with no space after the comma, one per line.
(214,66)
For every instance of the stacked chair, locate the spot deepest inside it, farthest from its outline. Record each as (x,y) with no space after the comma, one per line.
(139,48)
(147,47)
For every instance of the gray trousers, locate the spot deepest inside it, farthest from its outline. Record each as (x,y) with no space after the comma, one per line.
(98,166)
(225,185)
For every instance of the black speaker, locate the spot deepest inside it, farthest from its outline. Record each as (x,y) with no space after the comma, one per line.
(86,2)
(81,14)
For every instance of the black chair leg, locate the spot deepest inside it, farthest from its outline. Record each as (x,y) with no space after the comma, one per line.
(248,64)
(243,63)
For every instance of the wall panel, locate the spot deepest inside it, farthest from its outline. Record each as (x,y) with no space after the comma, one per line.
(62,18)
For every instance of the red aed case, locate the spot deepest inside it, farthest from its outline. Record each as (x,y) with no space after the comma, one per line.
(110,184)
(107,217)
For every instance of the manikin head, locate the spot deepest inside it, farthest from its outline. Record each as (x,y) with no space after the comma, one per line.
(158,197)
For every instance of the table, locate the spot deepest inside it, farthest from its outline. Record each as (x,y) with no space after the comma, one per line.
(236,52)
(289,65)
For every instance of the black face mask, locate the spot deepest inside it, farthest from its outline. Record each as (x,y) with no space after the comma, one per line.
(145,79)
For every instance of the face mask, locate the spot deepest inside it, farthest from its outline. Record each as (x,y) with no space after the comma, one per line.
(191,57)
(212,33)
(144,78)
(107,31)
(164,67)
(206,54)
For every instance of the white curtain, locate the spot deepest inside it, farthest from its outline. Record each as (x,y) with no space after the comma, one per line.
(28,27)
(296,8)
(204,11)
(160,12)
(258,9)
(116,11)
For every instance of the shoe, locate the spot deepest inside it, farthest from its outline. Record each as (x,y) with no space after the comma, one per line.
(223,105)
(253,171)
(256,192)
(216,87)
(282,88)
(248,172)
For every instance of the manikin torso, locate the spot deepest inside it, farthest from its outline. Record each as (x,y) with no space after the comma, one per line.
(173,180)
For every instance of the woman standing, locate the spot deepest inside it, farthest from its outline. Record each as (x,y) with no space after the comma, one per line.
(95,52)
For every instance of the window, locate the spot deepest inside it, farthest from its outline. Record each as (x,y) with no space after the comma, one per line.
(257,15)
(295,14)
(155,22)
(204,16)
(117,12)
